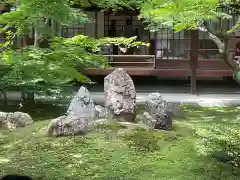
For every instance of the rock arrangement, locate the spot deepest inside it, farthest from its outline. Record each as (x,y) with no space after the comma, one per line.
(120,95)
(80,112)
(13,120)
(120,106)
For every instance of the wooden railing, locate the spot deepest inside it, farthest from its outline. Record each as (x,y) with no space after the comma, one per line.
(131,60)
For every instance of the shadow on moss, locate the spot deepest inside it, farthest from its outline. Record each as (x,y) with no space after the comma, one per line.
(38,111)
(152,140)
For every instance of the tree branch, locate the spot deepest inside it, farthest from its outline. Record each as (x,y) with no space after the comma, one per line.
(235,27)
(216,39)
(9,43)
(210,29)
(222,47)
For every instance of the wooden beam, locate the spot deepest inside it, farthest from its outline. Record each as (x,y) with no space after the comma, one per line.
(194,60)
(214,73)
(141,71)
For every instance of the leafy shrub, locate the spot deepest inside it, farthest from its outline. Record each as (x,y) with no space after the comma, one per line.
(223,145)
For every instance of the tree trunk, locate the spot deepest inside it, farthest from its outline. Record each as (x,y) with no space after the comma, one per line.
(223,47)
(35,37)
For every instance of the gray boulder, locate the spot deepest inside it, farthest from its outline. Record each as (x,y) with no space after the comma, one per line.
(81,110)
(82,104)
(158,115)
(68,125)
(13,120)
(120,95)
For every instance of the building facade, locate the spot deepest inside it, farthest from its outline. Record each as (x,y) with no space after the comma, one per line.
(187,54)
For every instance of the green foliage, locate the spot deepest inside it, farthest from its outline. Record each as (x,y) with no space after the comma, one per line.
(51,69)
(217,130)
(31,13)
(182,14)
(58,65)
(108,4)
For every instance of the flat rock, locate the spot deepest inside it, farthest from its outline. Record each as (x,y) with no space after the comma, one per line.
(13,120)
(68,125)
(120,95)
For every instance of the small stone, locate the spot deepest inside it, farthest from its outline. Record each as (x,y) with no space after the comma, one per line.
(120,95)
(100,112)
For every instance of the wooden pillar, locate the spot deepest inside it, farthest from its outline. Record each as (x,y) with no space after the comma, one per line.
(194,60)
(96,22)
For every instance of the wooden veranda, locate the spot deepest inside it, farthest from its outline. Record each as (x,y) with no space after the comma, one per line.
(151,65)
(190,54)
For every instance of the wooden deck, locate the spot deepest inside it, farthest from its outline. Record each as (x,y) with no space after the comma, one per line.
(142,65)
(145,71)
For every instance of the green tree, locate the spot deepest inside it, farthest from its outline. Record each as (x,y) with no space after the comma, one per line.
(197,14)
(35,68)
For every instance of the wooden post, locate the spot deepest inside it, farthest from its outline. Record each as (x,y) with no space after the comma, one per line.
(194,60)
(155,50)
(95,27)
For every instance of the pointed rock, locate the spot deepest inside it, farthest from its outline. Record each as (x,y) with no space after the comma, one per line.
(82,104)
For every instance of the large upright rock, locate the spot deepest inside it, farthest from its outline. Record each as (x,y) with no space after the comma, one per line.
(120,95)
(82,104)
(158,115)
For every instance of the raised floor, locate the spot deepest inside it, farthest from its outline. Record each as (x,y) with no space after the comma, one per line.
(148,71)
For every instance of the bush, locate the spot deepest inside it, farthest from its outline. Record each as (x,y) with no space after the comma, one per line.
(223,145)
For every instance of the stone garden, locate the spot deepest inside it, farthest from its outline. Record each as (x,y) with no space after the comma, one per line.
(120,106)
(120,139)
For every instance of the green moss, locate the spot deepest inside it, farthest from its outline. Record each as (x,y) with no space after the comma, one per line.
(185,152)
(114,126)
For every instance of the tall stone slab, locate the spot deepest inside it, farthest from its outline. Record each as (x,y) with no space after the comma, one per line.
(120,95)
(82,104)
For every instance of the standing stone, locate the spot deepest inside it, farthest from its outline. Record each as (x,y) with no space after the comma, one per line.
(120,95)
(82,104)
(158,115)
